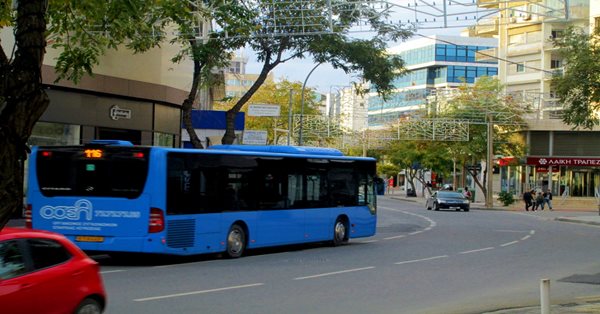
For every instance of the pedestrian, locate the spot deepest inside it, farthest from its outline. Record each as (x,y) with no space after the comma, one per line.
(548,199)
(539,201)
(467,193)
(527,197)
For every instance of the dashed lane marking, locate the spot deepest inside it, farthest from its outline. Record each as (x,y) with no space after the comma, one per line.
(477,250)
(197,292)
(334,273)
(421,260)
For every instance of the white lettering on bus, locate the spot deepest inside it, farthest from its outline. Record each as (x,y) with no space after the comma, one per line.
(68,212)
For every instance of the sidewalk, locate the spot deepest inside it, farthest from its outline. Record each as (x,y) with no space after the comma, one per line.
(588,215)
(575,213)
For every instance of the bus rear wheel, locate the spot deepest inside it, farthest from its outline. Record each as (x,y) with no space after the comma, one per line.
(236,241)
(340,232)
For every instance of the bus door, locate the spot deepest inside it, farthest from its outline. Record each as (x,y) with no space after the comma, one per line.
(278,223)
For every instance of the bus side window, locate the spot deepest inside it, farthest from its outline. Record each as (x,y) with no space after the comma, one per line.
(343,187)
(271,192)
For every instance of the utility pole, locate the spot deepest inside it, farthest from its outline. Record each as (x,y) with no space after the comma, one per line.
(489,201)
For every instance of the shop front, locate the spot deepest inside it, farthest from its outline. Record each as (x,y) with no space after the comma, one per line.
(578,177)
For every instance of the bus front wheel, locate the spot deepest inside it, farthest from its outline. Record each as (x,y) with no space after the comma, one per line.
(340,232)
(236,241)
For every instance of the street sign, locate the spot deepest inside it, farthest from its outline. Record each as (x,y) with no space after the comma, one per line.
(252,137)
(263,110)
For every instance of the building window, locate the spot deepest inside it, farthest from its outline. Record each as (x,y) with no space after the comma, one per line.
(557,34)
(520,67)
(555,64)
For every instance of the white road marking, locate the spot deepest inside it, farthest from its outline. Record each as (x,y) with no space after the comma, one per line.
(525,237)
(509,243)
(112,271)
(477,250)
(334,273)
(428,228)
(367,241)
(395,237)
(197,292)
(421,260)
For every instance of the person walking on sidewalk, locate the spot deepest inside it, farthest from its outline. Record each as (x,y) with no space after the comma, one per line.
(548,199)
(527,197)
(539,201)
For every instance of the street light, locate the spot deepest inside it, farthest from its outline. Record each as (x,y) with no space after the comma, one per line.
(300,142)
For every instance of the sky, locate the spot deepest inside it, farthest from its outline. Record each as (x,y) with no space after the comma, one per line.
(324,78)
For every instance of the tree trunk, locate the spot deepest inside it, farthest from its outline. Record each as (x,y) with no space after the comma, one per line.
(229,136)
(24,102)
(187,106)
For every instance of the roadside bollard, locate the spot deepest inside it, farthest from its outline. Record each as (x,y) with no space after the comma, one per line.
(545,296)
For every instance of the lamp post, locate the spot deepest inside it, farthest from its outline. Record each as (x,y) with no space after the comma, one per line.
(300,142)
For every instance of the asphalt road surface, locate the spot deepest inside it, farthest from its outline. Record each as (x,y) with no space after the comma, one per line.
(420,261)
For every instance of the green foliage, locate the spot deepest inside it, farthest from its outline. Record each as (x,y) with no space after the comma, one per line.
(578,88)
(477,104)
(388,170)
(506,198)
(276,93)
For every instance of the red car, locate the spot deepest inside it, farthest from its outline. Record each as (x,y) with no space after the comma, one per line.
(43,272)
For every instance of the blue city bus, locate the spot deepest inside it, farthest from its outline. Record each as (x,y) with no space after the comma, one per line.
(112,196)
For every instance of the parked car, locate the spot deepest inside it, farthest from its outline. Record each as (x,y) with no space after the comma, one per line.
(447,199)
(43,272)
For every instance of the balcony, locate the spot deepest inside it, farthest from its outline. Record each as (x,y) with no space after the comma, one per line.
(524,49)
(548,75)
(487,27)
(488,4)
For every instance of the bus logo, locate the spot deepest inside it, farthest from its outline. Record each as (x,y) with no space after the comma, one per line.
(81,208)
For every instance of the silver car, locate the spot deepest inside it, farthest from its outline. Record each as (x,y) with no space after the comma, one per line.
(447,199)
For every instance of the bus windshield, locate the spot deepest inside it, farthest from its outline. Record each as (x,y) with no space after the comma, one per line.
(92,171)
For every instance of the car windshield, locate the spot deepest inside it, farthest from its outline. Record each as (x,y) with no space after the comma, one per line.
(450,195)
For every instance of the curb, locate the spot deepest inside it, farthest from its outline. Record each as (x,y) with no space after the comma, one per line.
(579,220)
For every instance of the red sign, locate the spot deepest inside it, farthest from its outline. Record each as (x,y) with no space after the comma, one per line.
(560,161)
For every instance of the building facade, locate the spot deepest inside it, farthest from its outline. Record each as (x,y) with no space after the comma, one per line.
(559,158)
(237,81)
(130,97)
(351,108)
(433,63)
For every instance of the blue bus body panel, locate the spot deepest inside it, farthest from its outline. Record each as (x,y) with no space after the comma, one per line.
(122,224)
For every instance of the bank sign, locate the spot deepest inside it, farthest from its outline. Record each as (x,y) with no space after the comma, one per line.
(563,161)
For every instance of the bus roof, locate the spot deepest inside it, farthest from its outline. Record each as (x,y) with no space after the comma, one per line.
(280,149)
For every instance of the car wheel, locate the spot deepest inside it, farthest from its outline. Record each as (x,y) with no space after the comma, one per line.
(427,206)
(340,232)
(89,306)
(236,241)
(466,209)
(436,206)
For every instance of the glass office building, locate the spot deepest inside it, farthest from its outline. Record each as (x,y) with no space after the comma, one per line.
(439,62)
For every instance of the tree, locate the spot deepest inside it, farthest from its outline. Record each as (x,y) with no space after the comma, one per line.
(578,88)
(477,104)
(275,46)
(82,31)
(276,93)
(416,158)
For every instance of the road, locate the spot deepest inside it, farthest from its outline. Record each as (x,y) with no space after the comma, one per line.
(419,262)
